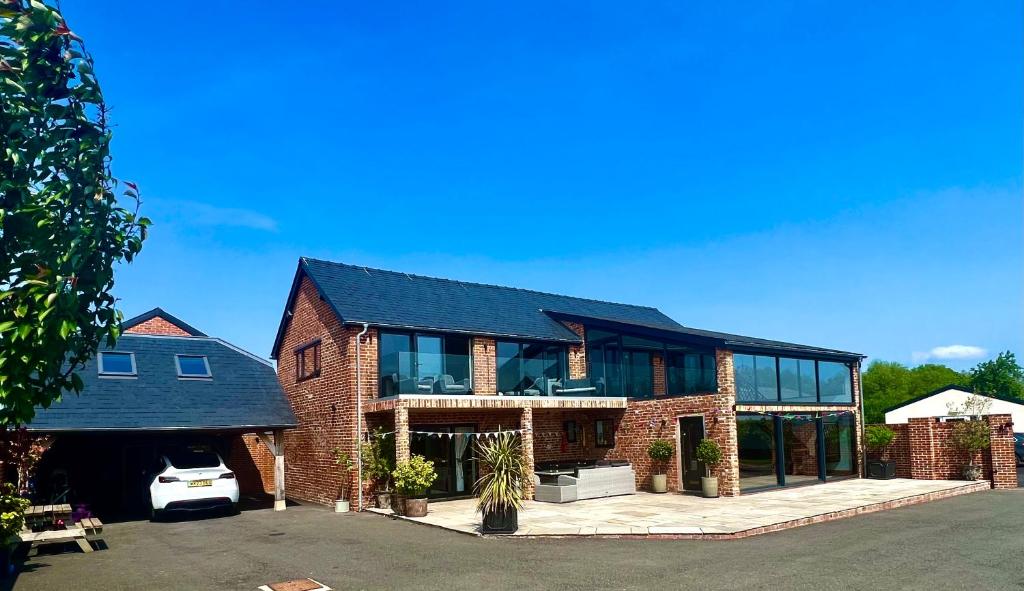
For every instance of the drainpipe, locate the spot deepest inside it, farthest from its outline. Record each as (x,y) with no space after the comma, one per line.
(359,415)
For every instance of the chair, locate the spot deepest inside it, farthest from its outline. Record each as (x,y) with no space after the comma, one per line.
(575,387)
(447,385)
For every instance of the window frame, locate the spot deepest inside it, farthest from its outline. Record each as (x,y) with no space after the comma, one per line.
(521,344)
(610,433)
(621,342)
(192,376)
(301,374)
(116,374)
(414,350)
(778,401)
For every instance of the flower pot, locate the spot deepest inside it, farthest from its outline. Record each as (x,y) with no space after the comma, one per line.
(973,472)
(6,560)
(659,483)
(709,486)
(881,470)
(340,506)
(415,507)
(384,500)
(500,522)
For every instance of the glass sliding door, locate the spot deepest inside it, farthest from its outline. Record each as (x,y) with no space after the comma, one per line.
(396,364)
(510,368)
(756,440)
(414,363)
(639,374)
(800,450)
(840,452)
(452,455)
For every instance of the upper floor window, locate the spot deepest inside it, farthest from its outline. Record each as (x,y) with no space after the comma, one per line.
(117,363)
(637,367)
(770,379)
(307,361)
(531,369)
(192,366)
(421,363)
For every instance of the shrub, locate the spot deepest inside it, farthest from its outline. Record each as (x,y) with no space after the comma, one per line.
(971,437)
(709,454)
(343,461)
(414,476)
(660,451)
(12,512)
(878,437)
(378,457)
(500,488)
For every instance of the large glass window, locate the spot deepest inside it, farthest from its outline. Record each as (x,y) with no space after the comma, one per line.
(767,379)
(755,436)
(792,450)
(834,379)
(623,365)
(800,447)
(531,369)
(690,372)
(424,364)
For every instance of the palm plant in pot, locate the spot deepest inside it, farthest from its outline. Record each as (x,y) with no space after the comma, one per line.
(877,438)
(345,464)
(709,454)
(501,488)
(412,479)
(660,451)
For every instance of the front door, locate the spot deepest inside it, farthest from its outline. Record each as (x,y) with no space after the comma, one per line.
(691,431)
(450,447)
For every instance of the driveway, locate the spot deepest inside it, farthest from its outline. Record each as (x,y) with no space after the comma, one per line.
(973,541)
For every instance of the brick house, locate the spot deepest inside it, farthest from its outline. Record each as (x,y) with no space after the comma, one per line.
(584,380)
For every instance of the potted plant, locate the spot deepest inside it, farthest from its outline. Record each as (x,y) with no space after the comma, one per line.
(412,479)
(500,490)
(12,520)
(877,438)
(344,462)
(378,459)
(660,451)
(709,454)
(971,437)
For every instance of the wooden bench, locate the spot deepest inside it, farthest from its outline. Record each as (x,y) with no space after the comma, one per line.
(47,516)
(56,536)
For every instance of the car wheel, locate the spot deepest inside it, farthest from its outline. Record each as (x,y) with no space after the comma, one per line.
(155,514)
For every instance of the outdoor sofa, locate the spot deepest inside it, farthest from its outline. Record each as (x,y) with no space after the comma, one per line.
(564,483)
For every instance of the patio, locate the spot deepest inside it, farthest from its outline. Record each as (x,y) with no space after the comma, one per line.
(689,516)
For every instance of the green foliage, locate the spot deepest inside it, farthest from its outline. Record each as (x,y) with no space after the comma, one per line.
(878,437)
(504,474)
(709,454)
(345,463)
(62,230)
(414,476)
(378,457)
(660,450)
(1002,376)
(887,383)
(12,511)
(971,436)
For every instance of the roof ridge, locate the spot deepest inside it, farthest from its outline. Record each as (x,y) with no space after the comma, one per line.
(490,285)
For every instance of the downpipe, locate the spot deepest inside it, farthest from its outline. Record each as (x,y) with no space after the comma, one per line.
(359,414)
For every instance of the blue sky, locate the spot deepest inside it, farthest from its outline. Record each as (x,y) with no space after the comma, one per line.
(840,175)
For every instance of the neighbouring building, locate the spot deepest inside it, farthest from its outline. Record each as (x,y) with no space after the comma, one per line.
(949,400)
(163,384)
(431,360)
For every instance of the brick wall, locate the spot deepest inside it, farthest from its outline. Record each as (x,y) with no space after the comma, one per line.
(922,449)
(252,463)
(485,363)
(157,325)
(577,353)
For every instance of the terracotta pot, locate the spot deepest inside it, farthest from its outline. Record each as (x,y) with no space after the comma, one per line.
(415,507)
(659,483)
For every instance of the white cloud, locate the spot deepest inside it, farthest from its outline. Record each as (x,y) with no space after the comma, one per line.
(194,213)
(949,352)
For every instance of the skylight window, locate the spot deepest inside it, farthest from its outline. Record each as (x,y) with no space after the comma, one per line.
(192,366)
(117,363)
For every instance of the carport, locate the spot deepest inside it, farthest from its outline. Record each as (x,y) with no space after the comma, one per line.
(152,391)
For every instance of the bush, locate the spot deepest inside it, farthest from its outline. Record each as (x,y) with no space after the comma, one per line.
(878,437)
(344,462)
(500,488)
(414,476)
(378,459)
(971,437)
(12,512)
(709,454)
(660,450)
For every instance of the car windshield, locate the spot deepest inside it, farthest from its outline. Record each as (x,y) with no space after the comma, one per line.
(193,457)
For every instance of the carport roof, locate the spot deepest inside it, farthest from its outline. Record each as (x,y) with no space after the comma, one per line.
(243,392)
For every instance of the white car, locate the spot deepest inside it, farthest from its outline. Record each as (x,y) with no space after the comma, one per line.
(192,478)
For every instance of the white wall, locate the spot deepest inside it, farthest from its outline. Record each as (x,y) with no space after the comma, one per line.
(936,406)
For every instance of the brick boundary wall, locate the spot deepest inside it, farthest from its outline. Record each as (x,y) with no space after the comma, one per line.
(922,450)
(157,326)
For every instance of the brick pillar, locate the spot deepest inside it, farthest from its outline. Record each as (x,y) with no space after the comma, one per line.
(722,427)
(401,433)
(858,423)
(922,448)
(577,353)
(485,362)
(526,424)
(1004,464)
(660,379)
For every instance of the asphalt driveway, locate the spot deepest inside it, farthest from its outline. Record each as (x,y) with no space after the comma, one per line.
(974,541)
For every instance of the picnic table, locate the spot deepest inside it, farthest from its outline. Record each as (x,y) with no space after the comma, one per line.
(52,524)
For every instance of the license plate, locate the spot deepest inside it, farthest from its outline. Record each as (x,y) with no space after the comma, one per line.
(192,483)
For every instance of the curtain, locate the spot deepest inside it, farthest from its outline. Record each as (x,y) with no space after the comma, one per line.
(461,443)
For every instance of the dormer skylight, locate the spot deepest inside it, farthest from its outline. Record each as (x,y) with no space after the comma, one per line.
(117,363)
(192,366)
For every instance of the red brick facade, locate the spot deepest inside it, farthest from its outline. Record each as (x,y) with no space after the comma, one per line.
(157,326)
(253,464)
(922,450)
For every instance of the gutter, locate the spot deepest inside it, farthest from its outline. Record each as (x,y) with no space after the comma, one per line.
(359,415)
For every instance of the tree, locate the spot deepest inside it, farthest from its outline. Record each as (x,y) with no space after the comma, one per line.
(1001,376)
(62,229)
(887,383)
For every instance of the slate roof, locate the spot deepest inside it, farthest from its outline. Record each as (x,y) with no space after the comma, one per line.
(243,392)
(400,300)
